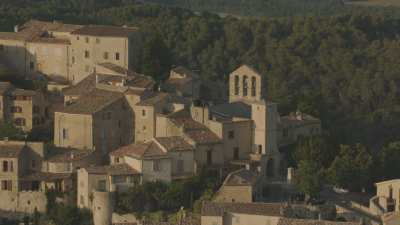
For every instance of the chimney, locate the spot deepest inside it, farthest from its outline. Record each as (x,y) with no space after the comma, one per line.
(247,166)
(16,28)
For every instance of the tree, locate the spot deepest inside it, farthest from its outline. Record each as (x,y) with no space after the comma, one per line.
(316,148)
(352,169)
(8,130)
(309,178)
(390,158)
(156,58)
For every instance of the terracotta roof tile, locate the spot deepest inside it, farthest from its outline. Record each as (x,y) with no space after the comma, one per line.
(105,31)
(175,143)
(59,155)
(204,136)
(11,151)
(241,177)
(154,99)
(42,176)
(140,150)
(115,169)
(92,102)
(218,209)
(290,221)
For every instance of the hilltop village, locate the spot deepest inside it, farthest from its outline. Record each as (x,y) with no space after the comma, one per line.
(115,129)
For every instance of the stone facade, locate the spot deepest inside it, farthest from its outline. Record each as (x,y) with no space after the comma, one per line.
(68,51)
(26,109)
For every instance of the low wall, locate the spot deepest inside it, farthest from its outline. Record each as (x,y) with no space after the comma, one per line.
(24,202)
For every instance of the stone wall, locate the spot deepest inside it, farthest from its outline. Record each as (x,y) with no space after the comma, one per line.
(24,202)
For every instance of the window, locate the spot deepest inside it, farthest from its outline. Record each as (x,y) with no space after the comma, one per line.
(97,40)
(156,165)
(144,128)
(82,201)
(285,132)
(116,159)
(87,39)
(6,185)
(33,163)
(253,86)
(231,134)
(77,38)
(11,166)
(73,59)
(236,153)
(259,149)
(65,134)
(245,85)
(87,54)
(16,109)
(209,157)
(31,65)
(144,113)
(179,166)
(105,55)
(236,85)
(5,166)
(117,56)
(19,122)
(36,109)
(101,185)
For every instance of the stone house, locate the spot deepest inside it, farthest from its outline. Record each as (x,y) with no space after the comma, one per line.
(26,109)
(160,159)
(183,82)
(213,213)
(68,51)
(387,198)
(96,121)
(242,185)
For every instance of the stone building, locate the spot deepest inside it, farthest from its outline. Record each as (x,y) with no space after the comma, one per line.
(26,109)
(213,213)
(242,185)
(183,82)
(387,198)
(68,51)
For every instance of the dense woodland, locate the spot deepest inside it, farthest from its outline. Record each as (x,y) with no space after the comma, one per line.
(343,68)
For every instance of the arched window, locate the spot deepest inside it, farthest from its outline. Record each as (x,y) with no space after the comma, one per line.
(236,85)
(245,85)
(253,86)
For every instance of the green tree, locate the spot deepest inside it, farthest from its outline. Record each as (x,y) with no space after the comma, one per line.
(309,178)
(390,158)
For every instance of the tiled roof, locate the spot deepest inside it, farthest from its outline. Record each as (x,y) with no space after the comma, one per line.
(174,143)
(114,169)
(154,99)
(92,102)
(233,109)
(105,31)
(140,150)
(184,70)
(89,83)
(265,209)
(293,119)
(10,151)
(59,155)
(290,221)
(35,30)
(42,176)
(19,92)
(205,136)
(241,177)
(4,86)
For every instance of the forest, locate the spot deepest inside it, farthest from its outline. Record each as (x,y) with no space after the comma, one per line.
(343,68)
